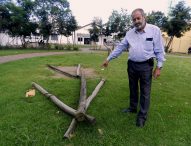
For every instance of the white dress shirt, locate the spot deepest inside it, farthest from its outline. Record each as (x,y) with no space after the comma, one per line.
(142,46)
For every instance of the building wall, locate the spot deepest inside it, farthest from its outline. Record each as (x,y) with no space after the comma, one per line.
(179,45)
(82,33)
(6,40)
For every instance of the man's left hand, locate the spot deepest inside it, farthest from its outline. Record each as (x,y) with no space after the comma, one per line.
(156,73)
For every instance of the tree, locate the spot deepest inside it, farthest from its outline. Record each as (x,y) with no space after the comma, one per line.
(179,22)
(4,1)
(54,17)
(119,23)
(157,18)
(95,30)
(67,25)
(18,19)
(4,18)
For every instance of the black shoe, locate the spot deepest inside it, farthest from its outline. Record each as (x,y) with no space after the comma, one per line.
(140,123)
(128,110)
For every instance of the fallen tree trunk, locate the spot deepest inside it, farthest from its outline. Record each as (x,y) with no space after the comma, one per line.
(71,129)
(73,124)
(94,93)
(82,101)
(81,107)
(60,104)
(62,72)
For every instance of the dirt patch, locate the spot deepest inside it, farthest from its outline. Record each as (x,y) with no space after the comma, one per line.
(89,72)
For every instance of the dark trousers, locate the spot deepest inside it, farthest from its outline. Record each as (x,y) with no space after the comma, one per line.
(140,75)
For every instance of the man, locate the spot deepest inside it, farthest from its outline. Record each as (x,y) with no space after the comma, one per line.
(145,43)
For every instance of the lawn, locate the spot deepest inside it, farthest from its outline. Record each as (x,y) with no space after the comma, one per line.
(36,121)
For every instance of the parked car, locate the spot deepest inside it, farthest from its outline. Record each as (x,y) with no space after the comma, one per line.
(189,50)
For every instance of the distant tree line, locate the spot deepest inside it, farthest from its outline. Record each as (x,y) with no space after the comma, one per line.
(176,23)
(24,18)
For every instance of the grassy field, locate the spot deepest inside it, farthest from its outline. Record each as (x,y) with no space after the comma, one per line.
(36,121)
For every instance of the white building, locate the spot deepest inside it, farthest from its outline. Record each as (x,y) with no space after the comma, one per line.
(80,36)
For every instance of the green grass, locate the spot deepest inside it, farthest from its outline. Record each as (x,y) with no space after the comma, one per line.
(36,121)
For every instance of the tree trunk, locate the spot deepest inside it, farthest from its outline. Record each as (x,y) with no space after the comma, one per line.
(94,93)
(60,38)
(73,124)
(62,72)
(82,102)
(71,129)
(169,43)
(60,104)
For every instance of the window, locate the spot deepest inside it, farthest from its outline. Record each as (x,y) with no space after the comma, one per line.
(79,39)
(54,37)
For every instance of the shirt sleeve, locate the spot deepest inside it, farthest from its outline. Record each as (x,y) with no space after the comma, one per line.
(119,49)
(159,48)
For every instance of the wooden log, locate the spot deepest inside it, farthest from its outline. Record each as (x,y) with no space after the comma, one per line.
(82,101)
(62,72)
(78,71)
(94,93)
(81,107)
(60,104)
(73,124)
(71,129)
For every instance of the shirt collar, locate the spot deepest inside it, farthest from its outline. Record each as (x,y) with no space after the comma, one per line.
(144,30)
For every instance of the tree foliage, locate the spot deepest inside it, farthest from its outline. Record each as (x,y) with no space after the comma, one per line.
(54,17)
(22,18)
(119,23)
(179,21)
(15,19)
(157,18)
(96,29)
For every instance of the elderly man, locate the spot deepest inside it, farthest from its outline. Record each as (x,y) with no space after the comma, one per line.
(145,43)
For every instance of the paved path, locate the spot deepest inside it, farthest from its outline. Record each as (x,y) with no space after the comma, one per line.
(4,59)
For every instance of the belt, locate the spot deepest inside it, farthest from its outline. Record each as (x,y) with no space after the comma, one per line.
(146,61)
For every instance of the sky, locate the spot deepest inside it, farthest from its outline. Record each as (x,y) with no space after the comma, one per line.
(85,10)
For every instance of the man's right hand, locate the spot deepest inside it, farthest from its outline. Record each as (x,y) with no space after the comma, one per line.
(105,63)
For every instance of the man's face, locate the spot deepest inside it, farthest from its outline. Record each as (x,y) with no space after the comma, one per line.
(138,20)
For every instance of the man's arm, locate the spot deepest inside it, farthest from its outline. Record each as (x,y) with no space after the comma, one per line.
(159,52)
(116,52)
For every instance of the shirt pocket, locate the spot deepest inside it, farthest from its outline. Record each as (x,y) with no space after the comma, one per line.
(148,45)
